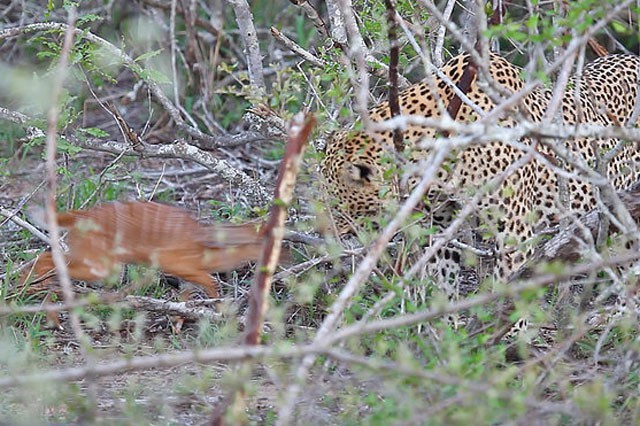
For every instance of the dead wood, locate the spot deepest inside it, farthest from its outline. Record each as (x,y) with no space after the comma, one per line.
(194,310)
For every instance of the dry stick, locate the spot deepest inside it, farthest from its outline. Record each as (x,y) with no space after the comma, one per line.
(192,310)
(312,14)
(394,51)
(359,277)
(297,49)
(442,31)
(12,216)
(249,37)
(336,24)
(52,220)
(298,134)
(357,51)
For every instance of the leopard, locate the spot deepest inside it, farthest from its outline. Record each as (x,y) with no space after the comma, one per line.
(536,195)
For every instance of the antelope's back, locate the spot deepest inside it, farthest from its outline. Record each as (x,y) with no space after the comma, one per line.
(137,231)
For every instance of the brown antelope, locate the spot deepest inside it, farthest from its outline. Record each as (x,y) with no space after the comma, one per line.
(103,238)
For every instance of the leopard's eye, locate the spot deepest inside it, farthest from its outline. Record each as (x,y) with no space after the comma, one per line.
(359,173)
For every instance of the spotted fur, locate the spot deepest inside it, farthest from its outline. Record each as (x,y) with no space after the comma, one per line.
(528,200)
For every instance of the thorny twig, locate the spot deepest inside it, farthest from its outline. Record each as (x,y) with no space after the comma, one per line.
(50,204)
(298,134)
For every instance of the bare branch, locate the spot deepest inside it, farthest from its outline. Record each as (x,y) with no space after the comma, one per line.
(297,49)
(12,216)
(191,309)
(442,31)
(257,194)
(298,134)
(249,37)
(50,204)
(312,14)
(299,131)
(394,53)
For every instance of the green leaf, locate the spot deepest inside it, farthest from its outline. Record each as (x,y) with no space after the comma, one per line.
(156,76)
(65,146)
(619,27)
(148,55)
(95,132)
(88,18)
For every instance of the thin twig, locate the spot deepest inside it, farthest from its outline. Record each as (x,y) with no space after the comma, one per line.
(394,53)
(296,48)
(50,205)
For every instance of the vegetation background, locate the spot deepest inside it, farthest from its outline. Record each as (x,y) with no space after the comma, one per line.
(184,102)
